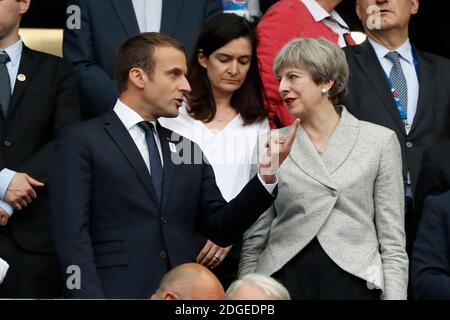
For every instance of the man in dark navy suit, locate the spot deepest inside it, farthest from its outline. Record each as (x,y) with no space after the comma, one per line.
(127,195)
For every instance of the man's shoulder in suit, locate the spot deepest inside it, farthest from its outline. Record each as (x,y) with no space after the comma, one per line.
(45,59)
(433,57)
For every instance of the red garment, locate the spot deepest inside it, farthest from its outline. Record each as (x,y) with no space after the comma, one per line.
(349,40)
(285,20)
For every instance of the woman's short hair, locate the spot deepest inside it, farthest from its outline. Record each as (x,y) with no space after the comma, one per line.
(324,61)
(248,99)
(268,284)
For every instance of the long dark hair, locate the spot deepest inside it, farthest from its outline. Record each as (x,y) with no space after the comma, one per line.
(248,99)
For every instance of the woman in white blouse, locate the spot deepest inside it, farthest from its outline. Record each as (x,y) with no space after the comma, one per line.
(224,116)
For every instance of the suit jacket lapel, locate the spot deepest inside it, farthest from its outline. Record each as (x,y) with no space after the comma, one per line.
(28,63)
(425,81)
(341,141)
(122,138)
(368,61)
(305,156)
(125,11)
(169,166)
(169,17)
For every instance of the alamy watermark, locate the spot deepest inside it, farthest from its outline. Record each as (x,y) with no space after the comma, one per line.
(74,17)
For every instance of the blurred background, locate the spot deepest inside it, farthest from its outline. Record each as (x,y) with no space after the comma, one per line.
(427,27)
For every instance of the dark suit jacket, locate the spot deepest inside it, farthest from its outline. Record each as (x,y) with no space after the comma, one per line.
(106,220)
(434,176)
(40,106)
(369,99)
(431,255)
(105,25)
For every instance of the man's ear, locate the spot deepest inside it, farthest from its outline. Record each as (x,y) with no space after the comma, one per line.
(137,77)
(170,295)
(414,7)
(202,59)
(358,9)
(24,5)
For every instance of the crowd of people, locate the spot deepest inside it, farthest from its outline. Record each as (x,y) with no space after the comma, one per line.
(206,150)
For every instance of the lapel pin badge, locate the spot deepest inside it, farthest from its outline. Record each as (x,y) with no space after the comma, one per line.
(172,147)
(21,77)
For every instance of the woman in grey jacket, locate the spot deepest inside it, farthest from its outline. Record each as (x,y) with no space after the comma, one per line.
(336,229)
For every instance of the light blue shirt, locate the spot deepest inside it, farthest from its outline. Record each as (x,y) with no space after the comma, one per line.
(15,53)
(409,70)
(9,210)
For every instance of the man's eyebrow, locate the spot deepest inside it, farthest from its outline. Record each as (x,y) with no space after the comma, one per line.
(175,70)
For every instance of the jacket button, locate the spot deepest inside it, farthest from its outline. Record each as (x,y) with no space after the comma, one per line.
(163,220)
(7,143)
(409,144)
(163,254)
(334,193)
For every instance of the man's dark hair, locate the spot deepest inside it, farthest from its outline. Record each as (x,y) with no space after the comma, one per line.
(137,52)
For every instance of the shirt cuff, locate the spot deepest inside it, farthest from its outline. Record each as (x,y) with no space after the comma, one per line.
(4,266)
(270,187)
(6,176)
(9,210)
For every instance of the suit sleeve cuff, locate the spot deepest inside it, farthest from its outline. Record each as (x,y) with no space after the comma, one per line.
(6,176)
(270,187)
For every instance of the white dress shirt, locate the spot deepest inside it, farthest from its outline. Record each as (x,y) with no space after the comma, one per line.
(409,70)
(130,120)
(336,23)
(148,14)
(229,151)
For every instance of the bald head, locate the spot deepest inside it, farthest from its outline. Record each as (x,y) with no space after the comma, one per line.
(189,281)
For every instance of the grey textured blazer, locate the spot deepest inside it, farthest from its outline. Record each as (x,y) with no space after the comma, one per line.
(351,198)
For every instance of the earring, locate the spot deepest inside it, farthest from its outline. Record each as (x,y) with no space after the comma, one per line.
(324,91)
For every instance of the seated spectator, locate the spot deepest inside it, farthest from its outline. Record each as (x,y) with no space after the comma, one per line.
(430,259)
(189,281)
(255,286)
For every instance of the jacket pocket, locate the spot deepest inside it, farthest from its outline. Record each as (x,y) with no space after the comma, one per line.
(110,248)
(111,260)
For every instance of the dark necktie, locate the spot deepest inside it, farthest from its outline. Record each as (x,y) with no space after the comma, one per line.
(398,78)
(155,160)
(5,84)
